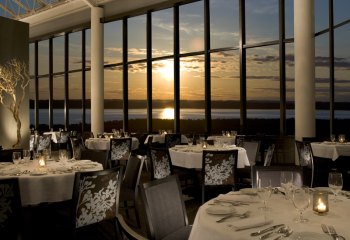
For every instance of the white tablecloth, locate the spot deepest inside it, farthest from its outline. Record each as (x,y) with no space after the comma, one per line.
(191,156)
(161,138)
(54,186)
(223,139)
(330,150)
(205,226)
(104,143)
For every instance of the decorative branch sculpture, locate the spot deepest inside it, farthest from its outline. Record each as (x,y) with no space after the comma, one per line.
(14,78)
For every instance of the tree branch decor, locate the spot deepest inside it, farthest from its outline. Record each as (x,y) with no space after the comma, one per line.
(14,78)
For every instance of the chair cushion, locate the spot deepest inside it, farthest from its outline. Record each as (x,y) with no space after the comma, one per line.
(180,234)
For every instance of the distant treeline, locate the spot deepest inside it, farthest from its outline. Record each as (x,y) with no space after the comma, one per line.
(140,104)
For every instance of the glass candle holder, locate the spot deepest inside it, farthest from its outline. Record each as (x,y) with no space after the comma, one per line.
(42,161)
(204,144)
(320,202)
(341,138)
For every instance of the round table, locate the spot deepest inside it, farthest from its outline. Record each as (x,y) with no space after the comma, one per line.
(52,183)
(104,143)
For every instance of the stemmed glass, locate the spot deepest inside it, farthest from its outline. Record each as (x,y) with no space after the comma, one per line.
(335,182)
(16,158)
(287,183)
(264,191)
(301,201)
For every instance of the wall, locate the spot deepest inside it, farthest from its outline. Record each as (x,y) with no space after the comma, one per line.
(14,43)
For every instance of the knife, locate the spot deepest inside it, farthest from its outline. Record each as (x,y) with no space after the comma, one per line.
(266,230)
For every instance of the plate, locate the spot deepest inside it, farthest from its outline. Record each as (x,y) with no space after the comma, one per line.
(309,236)
(248,191)
(220,209)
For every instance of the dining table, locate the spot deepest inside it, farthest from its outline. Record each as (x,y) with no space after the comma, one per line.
(104,143)
(52,182)
(331,150)
(230,140)
(160,138)
(280,210)
(191,156)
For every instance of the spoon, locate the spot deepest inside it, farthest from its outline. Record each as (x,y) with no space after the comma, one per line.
(286,234)
(283,230)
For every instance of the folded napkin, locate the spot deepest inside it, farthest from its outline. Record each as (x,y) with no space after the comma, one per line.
(236,197)
(252,222)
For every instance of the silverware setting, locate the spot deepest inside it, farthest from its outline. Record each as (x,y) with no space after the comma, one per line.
(241,215)
(283,231)
(262,231)
(233,203)
(330,230)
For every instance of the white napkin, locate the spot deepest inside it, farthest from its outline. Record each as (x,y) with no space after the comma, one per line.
(252,222)
(237,197)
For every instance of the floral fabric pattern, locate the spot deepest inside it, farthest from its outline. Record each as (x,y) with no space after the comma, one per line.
(63,138)
(120,150)
(44,142)
(161,164)
(97,199)
(305,156)
(219,169)
(6,204)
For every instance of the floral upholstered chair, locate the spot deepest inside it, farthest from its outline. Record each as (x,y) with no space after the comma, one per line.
(44,142)
(161,166)
(77,147)
(95,197)
(172,139)
(120,150)
(219,168)
(10,209)
(306,160)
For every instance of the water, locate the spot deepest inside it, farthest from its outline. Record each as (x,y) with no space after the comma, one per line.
(75,115)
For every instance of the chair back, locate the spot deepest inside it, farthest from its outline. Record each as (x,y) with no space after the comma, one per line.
(274,174)
(10,208)
(44,142)
(120,149)
(96,196)
(126,232)
(306,160)
(133,173)
(161,166)
(64,137)
(6,154)
(252,148)
(100,156)
(77,147)
(164,207)
(172,139)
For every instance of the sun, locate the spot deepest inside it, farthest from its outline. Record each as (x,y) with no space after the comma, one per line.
(167,70)
(167,113)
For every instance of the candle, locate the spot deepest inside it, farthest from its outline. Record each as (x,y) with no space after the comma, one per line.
(320,202)
(204,145)
(42,162)
(321,207)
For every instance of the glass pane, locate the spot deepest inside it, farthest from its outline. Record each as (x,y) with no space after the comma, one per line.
(192,112)
(31,59)
(137,91)
(58,102)
(113,42)
(75,50)
(88,48)
(192,27)
(58,54)
(321,15)
(225,91)
(43,55)
(290,93)
(263,90)
(113,91)
(162,33)
(342,79)
(75,96)
(163,95)
(224,31)
(88,100)
(261,20)
(289,18)
(137,38)
(341,10)
(43,104)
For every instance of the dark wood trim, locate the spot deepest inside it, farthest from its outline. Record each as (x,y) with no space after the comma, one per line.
(83,80)
(66,80)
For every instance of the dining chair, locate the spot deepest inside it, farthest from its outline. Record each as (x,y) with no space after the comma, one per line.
(77,145)
(126,232)
(165,209)
(219,170)
(100,156)
(172,139)
(274,174)
(129,188)
(63,140)
(120,150)
(44,142)
(252,148)
(306,161)
(161,165)
(6,154)
(10,209)
(95,199)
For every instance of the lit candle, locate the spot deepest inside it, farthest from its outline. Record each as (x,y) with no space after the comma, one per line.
(204,145)
(42,162)
(320,202)
(321,207)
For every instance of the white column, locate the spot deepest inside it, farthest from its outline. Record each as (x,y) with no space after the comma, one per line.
(304,55)
(97,76)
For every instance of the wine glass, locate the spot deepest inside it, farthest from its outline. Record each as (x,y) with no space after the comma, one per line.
(335,182)
(62,155)
(190,141)
(287,183)
(301,201)
(264,191)
(26,155)
(16,158)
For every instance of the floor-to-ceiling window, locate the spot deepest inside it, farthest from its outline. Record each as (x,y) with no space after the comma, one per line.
(202,60)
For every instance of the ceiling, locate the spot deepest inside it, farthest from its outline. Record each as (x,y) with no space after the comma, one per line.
(50,17)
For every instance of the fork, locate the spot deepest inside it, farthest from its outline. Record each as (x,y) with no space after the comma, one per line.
(334,233)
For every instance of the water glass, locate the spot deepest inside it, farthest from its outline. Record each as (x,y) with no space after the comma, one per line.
(335,182)
(16,158)
(26,155)
(62,155)
(264,191)
(286,182)
(333,138)
(301,201)
(190,141)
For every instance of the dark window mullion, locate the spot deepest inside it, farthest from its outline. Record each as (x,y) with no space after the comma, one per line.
(207,66)
(176,69)
(149,72)
(50,83)
(36,86)
(66,80)
(83,78)
(125,75)
(282,66)
(331,66)
(243,75)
